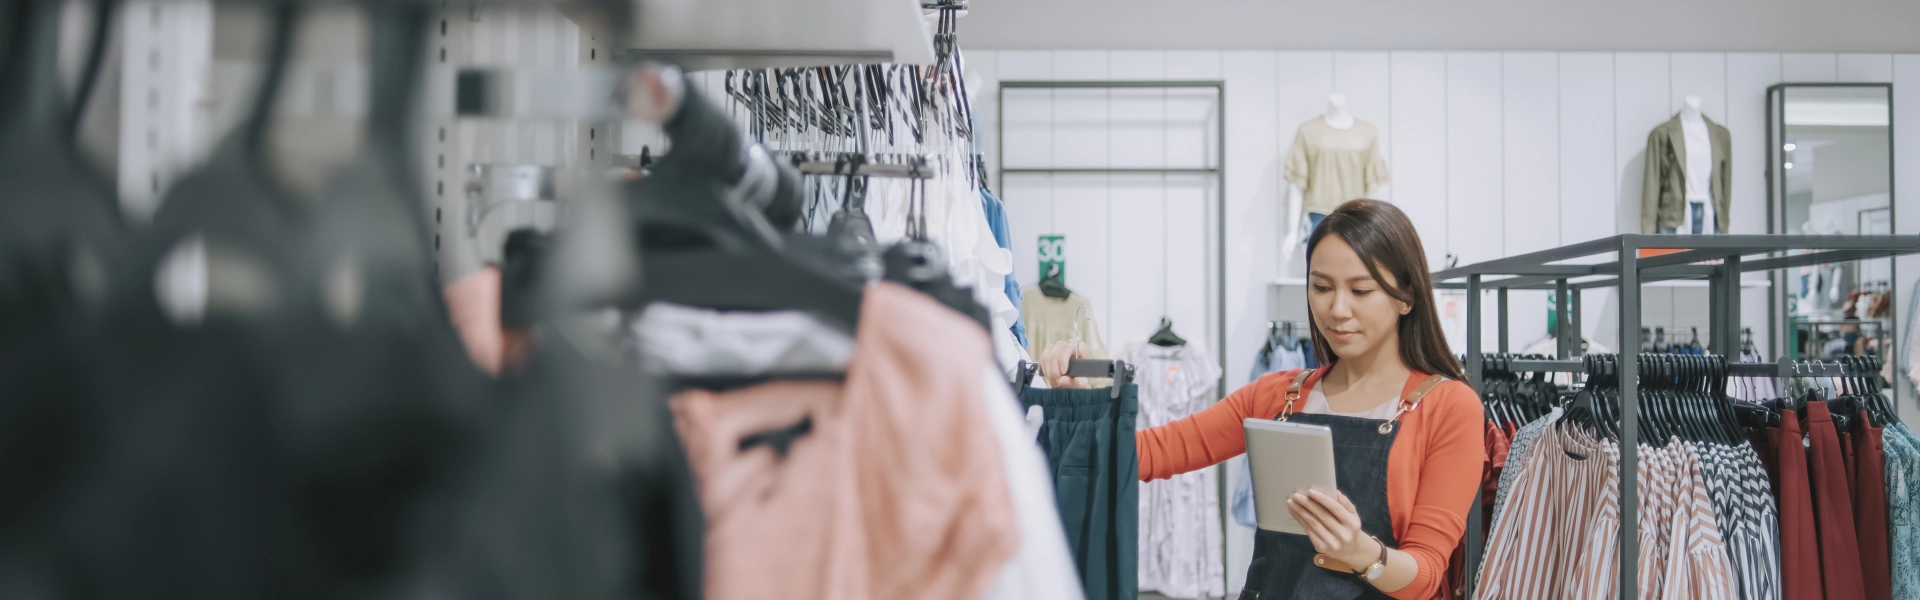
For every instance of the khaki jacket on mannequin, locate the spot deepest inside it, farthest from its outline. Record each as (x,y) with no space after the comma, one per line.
(1663,192)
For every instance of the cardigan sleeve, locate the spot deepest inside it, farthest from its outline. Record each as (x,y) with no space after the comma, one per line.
(1651,182)
(1213,435)
(1449,477)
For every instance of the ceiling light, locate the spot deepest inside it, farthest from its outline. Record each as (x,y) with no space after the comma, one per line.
(1789,147)
(1789,165)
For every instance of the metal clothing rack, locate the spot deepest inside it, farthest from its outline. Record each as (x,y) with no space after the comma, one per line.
(1218,171)
(1718,259)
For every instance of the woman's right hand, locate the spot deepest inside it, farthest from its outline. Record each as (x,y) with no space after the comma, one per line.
(1053,366)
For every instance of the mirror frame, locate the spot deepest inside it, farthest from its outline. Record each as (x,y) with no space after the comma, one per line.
(1779,323)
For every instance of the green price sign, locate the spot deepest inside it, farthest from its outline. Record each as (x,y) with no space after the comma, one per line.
(1053,257)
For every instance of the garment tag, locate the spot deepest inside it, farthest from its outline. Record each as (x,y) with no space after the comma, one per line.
(1171,371)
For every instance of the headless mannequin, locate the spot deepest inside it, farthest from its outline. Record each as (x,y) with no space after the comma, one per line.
(1692,109)
(1337,117)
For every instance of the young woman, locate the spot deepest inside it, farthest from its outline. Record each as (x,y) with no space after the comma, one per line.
(1408,442)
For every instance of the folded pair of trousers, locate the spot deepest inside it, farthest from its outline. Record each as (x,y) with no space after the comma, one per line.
(1088,439)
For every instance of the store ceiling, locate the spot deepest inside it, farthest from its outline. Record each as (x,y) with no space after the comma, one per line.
(1663,25)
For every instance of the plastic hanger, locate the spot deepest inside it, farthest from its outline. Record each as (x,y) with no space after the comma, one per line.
(1052,285)
(1165,337)
(702,247)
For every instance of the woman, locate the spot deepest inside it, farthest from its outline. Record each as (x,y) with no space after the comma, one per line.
(1407,432)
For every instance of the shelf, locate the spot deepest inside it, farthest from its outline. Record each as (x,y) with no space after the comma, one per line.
(765,34)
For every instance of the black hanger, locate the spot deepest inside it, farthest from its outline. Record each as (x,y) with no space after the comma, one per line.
(851,222)
(701,247)
(1052,285)
(1119,371)
(1165,337)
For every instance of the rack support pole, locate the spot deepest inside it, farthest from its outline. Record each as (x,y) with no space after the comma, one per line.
(1730,311)
(1562,332)
(1473,331)
(1473,365)
(1573,312)
(1501,311)
(1629,587)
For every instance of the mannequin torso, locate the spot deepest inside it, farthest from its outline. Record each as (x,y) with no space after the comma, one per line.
(1698,163)
(1336,115)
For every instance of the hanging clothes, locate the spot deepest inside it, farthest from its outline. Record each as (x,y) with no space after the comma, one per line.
(1002,234)
(1180,537)
(1707,519)
(1051,320)
(1087,435)
(840,473)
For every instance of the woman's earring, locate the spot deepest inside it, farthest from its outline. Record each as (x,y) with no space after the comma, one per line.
(1406,310)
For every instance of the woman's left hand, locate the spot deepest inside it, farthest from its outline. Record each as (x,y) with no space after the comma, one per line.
(1333,524)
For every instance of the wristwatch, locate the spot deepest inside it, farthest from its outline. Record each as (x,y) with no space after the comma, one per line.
(1375,570)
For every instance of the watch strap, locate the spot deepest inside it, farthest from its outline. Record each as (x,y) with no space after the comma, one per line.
(1382,563)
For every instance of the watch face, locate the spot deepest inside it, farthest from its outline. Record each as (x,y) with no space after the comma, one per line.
(1375,571)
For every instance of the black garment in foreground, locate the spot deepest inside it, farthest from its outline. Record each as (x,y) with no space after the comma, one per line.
(1088,438)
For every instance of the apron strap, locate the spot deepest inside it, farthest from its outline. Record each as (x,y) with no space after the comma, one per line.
(1407,403)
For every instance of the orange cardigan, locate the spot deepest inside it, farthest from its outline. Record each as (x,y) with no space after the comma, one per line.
(1433,470)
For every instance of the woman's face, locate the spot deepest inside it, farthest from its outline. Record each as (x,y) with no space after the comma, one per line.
(1351,309)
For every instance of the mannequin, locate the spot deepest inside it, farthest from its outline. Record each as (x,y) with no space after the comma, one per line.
(1691,110)
(1699,167)
(1686,183)
(1335,116)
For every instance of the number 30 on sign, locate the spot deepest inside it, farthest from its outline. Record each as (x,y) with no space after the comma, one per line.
(1053,256)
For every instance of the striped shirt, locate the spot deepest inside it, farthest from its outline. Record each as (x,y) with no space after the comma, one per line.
(1557,520)
(1557,491)
(1698,566)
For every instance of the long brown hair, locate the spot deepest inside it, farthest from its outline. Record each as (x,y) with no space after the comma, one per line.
(1385,239)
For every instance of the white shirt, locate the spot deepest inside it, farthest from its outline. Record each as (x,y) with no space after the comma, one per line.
(1699,165)
(1180,537)
(1317,405)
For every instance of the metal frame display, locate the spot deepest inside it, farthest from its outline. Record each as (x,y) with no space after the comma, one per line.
(1719,259)
(1218,171)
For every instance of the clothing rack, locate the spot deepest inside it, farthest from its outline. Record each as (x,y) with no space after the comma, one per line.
(1718,259)
(849,164)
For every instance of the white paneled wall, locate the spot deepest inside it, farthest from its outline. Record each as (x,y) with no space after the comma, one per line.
(1491,154)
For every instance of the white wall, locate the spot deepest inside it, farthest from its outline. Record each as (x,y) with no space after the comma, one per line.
(1705,25)
(1492,154)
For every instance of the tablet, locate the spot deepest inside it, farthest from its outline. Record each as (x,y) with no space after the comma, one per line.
(1286,458)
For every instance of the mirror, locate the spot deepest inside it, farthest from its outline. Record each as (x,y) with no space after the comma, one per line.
(1831,173)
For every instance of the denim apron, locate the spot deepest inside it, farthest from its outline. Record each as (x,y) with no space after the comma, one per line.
(1284,563)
